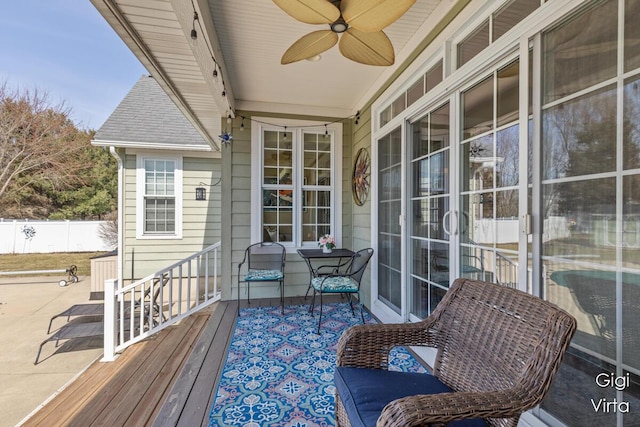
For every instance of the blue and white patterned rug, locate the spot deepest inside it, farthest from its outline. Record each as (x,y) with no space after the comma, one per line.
(279,371)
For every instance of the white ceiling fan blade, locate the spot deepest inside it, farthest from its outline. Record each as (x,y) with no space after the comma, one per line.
(309,46)
(367,48)
(310,11)
(373,15)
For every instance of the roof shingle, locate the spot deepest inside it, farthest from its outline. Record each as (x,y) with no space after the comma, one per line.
(148,115)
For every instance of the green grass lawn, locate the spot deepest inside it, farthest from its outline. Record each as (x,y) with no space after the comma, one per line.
(52,261)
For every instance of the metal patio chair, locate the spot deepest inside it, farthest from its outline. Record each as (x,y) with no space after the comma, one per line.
(263,262)
(346,282)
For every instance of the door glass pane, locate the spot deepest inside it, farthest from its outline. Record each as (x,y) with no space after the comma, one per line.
(582,52)
(631,281)
(631,134)
(508,89)
(579,136)
(590,212)
(507,157)
(477,162)
(477,107)
(389,209)
(488,223)
(429,189)
(439,131)
(631,35)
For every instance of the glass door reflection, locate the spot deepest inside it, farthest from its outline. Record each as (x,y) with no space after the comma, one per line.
(429,208)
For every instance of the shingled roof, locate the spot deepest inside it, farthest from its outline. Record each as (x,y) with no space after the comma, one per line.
(147,116)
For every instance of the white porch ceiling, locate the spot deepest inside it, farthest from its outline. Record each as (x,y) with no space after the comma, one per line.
(247,39)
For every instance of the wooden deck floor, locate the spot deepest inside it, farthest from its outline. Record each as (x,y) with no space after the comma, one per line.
(167,380)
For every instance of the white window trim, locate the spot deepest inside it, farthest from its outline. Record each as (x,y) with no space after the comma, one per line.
(140,177)
(296,128)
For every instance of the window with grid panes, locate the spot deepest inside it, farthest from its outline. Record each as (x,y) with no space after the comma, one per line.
(158,196)
(298,185)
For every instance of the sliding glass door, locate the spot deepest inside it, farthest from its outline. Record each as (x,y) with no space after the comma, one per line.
(389,231)
(429,192)
(590,209)
(489,178)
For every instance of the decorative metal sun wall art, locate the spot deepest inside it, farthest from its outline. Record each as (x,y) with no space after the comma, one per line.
(360,180)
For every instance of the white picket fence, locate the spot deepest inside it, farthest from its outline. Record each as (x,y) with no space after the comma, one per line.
(25,236)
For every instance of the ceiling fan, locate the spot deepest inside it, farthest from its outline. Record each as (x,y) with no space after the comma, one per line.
(360,23)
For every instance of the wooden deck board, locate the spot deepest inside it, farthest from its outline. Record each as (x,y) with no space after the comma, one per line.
(173,409)
(196,408)
(136,412)
(74,397)
(169,379)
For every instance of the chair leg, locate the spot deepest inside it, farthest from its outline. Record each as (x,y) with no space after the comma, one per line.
(39,351)
(351,304)
(312,305)
(320,317)
(282,297)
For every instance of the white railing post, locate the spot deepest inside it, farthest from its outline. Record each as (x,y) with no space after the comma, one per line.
(109,320)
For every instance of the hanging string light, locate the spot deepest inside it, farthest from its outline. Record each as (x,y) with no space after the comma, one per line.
(226,137)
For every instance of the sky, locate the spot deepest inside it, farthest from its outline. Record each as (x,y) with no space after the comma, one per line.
(66,49)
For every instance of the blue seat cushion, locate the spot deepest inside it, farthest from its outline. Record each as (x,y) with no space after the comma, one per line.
(337,284)
(263,275)
(365,392)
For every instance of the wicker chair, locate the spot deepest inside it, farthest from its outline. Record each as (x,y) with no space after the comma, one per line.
(497,352)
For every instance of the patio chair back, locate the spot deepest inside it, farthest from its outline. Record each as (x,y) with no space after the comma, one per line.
(265,256)
(491,337)
(359,262)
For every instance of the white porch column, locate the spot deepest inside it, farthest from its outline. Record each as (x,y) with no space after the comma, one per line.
(109,320)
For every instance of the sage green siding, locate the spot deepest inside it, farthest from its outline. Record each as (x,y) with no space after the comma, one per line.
(201,220)
(361,215)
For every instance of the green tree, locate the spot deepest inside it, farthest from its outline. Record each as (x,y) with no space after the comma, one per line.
(96,195)
(48,168)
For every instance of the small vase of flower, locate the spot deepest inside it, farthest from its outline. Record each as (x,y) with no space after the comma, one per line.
(327,243)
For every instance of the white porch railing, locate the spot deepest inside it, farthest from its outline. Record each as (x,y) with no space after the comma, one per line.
(136,311)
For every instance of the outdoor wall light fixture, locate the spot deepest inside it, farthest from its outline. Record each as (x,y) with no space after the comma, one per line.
(201,193)
(194,33)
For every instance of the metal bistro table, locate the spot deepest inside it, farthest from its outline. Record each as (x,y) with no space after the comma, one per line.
(317,255)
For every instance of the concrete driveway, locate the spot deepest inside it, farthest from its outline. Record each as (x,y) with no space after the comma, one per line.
(26,306)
